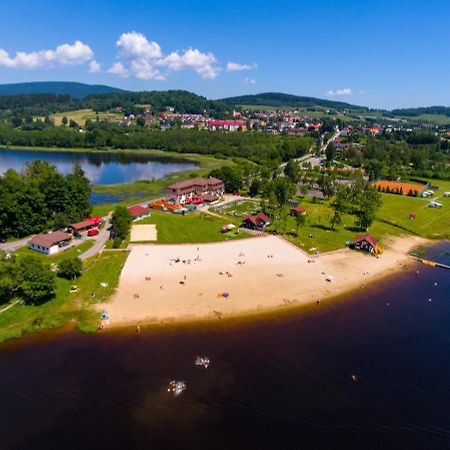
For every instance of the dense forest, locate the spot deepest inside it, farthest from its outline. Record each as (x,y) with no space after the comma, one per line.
(40,197)
(414,112)
(276,99)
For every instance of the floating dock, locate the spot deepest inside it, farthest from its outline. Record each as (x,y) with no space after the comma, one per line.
(426,262)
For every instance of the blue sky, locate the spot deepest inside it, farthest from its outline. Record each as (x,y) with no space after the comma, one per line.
(378,53)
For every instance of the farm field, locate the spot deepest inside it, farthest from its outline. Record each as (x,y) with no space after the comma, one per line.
(81,115)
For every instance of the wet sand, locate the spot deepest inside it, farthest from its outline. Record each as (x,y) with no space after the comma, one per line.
(171,283)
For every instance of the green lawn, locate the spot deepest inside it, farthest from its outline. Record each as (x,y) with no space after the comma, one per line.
(73,251)
(192,228)
(67,307)
(241,208)
(81,115)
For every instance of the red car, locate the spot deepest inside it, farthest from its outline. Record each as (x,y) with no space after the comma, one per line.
(93,232)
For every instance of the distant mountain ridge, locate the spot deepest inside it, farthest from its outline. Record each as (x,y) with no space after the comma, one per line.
(278,99)
(74,89)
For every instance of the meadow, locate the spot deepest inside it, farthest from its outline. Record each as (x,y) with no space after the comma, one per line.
(80,116)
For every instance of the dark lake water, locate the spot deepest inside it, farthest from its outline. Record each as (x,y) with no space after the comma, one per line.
(100,168)
(275,383)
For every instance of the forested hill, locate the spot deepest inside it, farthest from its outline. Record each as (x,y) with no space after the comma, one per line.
(277,99)
(75,90)
(414,112)
(182,101)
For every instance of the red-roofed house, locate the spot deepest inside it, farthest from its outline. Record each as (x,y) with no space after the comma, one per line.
(298,210)
(366,242)
(229,125)
(138,212)
(49,243)
(256,222)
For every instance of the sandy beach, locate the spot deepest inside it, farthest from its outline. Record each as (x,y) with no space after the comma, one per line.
(168,283)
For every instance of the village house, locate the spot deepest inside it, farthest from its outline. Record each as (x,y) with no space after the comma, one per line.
(298,210)
(257,222)
(227,125)
(50,243)
(367,242)
(138,212)
(207,188)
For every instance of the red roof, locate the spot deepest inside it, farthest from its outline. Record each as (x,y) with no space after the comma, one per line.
(138,210)
(82,225)
(238,123)
(299,209)
(366,237)
(257,219)
(50,239)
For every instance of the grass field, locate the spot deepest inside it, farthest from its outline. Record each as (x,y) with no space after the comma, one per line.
(193,228)
(67,307)
(241,208)
(81,115)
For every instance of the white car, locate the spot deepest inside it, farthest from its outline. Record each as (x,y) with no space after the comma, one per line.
(435,205)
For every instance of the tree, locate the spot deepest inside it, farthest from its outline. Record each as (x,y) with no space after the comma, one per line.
(327,185)
(70,268)
(140,122)
(291,170)
(121,221)
(255,187)
(61,221)
(368,202)
(78,192)
(340,205)
(330,152)
(299,221)
(35,281)
(64,120)
(230,177)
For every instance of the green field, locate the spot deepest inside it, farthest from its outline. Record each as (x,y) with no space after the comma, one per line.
(192,228)
(241,208)
(81,115)
(66,307)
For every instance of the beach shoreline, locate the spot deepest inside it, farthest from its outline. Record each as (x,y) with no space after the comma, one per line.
(156,290)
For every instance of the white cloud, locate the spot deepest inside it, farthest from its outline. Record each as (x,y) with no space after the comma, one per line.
(249,80)
(236,67)
(345,91)
(144,59)
(135,45)
(64,54)
(118,69)
(94,67)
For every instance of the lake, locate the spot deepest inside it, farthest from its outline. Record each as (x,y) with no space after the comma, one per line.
(100,168)
(283,382)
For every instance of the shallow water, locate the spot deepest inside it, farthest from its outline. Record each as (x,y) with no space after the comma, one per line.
(281,382)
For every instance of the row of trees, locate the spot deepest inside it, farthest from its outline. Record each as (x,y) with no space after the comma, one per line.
(358,198)
(40,197)
(254,146)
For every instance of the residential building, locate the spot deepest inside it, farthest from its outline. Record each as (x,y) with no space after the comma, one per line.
(182,191)
(139,212)
(257,222)
(49,243)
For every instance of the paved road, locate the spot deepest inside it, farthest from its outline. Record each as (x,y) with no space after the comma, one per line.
(13,246)
(100,241)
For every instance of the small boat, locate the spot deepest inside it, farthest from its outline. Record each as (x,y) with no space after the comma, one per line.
(202,361)
(177,387)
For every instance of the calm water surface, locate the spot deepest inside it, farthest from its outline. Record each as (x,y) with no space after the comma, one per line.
(100,168)
(277,383)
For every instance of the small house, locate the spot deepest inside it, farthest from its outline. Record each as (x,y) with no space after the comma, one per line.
(298,210)
(257,222)
(367,243)
(138,212)
(50,243)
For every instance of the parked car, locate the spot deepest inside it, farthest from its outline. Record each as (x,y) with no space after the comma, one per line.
(93,232)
